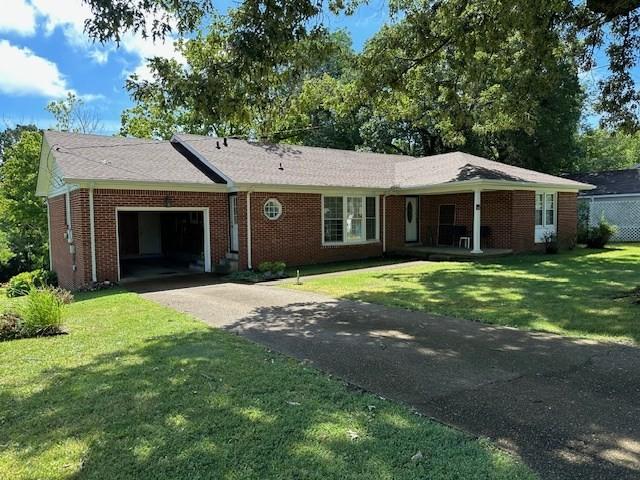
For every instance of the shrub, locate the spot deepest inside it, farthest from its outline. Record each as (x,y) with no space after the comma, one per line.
(10,325)
(550,243)
(65,296)
(273,267)
(22,283)
(41,313)
(600,235)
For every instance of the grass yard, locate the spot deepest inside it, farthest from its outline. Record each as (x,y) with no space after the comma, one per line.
(136,390)
(578,293)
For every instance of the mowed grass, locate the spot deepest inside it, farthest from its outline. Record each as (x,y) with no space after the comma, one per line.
(578,293)
(136,390)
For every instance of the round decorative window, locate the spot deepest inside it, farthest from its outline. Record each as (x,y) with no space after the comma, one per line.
(272,209)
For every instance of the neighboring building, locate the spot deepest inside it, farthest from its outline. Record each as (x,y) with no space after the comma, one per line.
(616,196)
(126,207)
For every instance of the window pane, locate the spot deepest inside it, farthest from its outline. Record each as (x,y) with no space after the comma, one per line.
(333,207)
(354,207)
(333,227)
(550,209)
(333,231)
(371,229)
(354,229)
(539,207)
(371,207)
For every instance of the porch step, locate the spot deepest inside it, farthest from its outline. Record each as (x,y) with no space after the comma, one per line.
(232,256)
(228,265)
(438,257)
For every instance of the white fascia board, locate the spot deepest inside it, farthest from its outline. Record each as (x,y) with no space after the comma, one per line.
(187,145)
(137,185)
(470,185)
(325,190)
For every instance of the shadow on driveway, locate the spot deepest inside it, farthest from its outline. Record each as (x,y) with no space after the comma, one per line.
(569,408)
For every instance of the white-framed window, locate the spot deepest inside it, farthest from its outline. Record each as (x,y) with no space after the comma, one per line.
(272,209)
(545,214)
(350,219)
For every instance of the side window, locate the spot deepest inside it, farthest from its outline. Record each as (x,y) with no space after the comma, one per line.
(539,208)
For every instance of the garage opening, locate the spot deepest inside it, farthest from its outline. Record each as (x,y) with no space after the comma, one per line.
(160,243)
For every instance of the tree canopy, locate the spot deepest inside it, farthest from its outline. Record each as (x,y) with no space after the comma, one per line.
(260,32)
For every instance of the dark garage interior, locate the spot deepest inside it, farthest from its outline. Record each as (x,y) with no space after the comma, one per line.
(158,243)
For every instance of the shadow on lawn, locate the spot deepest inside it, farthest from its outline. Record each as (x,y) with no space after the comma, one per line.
(569,408)
(209,405)
(581,292)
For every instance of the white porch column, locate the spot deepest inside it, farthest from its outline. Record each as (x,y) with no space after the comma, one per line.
(476,221)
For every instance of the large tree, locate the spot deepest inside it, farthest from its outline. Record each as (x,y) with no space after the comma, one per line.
(23,217)
(262,31)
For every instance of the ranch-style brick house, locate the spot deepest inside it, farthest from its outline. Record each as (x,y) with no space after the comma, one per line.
(126,208)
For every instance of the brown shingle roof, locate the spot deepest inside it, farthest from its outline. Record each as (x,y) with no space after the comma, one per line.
(93,157)
(611,182)
(256,163)
(98,157)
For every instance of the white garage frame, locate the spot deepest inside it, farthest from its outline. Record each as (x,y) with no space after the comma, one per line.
(205,227)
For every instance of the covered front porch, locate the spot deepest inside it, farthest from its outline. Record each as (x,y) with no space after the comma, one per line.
(449,253)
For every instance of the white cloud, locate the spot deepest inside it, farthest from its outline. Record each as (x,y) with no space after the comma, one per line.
(18,17)
(70,17)
(22,72)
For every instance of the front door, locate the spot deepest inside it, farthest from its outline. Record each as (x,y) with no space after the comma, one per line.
(446,222)
(233,222)
(411,219)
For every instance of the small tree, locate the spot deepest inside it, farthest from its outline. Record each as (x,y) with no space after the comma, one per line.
(72,115)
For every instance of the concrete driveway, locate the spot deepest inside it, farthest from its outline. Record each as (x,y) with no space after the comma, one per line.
(569,408)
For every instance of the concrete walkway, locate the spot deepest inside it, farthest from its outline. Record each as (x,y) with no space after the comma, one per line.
(569,408)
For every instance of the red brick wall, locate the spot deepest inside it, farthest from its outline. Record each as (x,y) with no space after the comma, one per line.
(296,237)
(63,261)
(567,219)
(523,221)
(395,222)
(430,212)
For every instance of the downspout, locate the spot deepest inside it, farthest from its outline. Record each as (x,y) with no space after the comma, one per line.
(92,227)
(249,266)
(49,234)
(384,223)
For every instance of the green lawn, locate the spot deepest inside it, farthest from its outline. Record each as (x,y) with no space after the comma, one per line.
(315,269)
(574,293)
(136,390)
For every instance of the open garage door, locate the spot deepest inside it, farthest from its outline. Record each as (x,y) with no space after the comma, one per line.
(156,243)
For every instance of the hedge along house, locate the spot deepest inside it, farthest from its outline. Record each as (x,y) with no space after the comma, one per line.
(124,208)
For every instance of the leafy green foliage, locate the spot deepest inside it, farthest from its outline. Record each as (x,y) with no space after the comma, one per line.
(23,283)
(73,115)
(10,136)
(23,217)
(599,149)
(41,312)
(273,267)
(599,235)
(141,391)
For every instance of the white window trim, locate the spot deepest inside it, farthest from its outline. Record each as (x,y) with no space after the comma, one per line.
(264,206)
(344,216)
(552,228)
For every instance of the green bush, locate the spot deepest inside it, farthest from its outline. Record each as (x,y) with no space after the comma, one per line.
(41,312)
(10,325)
(273,267)
(600,235)
(22,283)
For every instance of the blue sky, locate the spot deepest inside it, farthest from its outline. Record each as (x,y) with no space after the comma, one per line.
(44,54)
